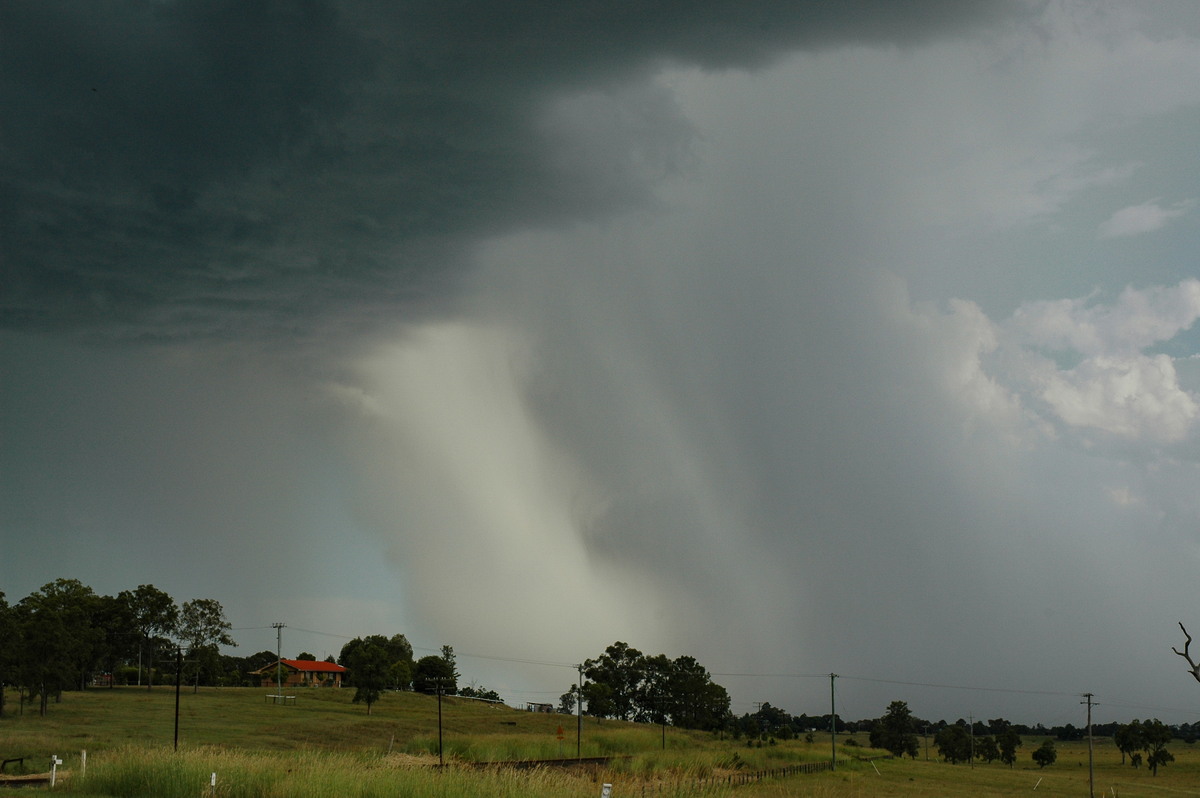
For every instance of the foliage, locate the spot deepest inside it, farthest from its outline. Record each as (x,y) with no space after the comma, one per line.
(397,652)
(480,692)
(1046,754)
(434,673)
(626,684)
(1156,735)
(954,744)
(1128,739)
(1008,741)
(370,668)
(153,614)
(896,732)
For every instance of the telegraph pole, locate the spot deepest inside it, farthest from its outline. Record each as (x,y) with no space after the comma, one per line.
(579,716)
(178,679)
(832,722)
(278,627)
(971,736)
(1091,779)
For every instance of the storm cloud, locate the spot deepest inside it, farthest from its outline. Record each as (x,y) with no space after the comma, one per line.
(801,338)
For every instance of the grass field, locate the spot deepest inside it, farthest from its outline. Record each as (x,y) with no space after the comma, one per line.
(325,746)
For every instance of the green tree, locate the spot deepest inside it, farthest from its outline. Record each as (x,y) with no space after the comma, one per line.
(697,702)
(480,692)
(202,625)
(1129,738)
(1008,741)
(60,640)
(987,749)
(614,679)
(8,651)
(566,701)
(154,614)
(1156,735)
(1045,754)
(434,672)
(369,671)
(399,653)
(896,732)
(953,744)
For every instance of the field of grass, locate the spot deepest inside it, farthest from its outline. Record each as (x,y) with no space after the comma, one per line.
(325,746)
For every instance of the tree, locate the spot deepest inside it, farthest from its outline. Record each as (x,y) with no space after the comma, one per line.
(987,749)
(628,685)
(8,631)
(202,625)
(1195,667)
(1008,741)
(1156,735)
(59,638)
(480,692)
(566,701)
(1045,754)
(613,681)
(696,701)
(954,744)
(895,731)
(433,673)
(369,672)
(154,614)
(399,654)
(1128,739)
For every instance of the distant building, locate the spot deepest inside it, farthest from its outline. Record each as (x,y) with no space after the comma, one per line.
(532,707)
(302,673)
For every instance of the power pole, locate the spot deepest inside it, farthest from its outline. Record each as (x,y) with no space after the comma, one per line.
(971,736)
(832,723)
(278,627)
(178,679)
(1091,779)
(579,716)
(441,758)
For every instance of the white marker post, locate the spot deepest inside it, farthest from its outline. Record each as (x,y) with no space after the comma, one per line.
(213,784)
(54,763)
(606,791)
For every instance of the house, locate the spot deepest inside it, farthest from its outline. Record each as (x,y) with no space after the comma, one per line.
(302,673)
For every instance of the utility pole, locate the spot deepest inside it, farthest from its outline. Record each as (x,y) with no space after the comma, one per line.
(971,736)
(1091,779)
(579,716)
(832,722)
(441,758)
(278,627)
(178,679)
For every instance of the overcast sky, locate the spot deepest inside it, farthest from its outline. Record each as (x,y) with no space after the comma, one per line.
(798,337)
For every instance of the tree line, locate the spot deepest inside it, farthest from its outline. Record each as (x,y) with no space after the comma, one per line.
(62,635)
(625,684)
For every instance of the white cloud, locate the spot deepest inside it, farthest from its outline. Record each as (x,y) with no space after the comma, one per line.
(1144,218)
(1115,387)
(1134,397)
(1139,319)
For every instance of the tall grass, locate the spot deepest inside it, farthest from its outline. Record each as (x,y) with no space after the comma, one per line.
(133,773)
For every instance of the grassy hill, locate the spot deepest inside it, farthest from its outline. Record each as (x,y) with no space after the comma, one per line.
(325,746)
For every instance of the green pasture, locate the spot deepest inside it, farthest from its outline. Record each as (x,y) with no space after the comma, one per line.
(325,746)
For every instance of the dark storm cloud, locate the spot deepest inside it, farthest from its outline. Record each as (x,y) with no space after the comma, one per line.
(192,168)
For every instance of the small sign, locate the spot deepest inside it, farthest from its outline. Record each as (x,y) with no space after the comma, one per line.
(606,791)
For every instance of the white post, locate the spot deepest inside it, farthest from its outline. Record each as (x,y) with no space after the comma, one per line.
(54,763)
(213,784)
(83,764)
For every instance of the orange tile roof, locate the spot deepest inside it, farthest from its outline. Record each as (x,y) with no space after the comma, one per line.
(313,666)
